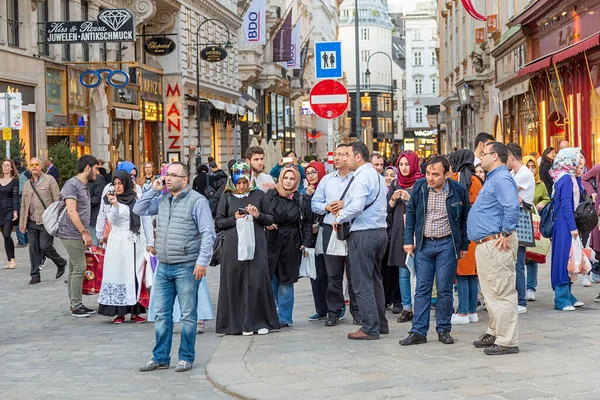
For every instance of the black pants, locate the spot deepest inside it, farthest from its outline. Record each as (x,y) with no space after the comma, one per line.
(9,244)
(41,245)
(319,286)
(335,266)
(366,249)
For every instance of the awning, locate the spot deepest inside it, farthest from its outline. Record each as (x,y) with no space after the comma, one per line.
(577,48)
(229,108)
(514,90)
(535,65)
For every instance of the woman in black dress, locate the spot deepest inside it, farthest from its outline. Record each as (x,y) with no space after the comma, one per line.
(246,303)
(9,205)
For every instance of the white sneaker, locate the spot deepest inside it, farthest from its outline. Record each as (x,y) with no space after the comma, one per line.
(473,318)
(263,331)
(522,310)
(247,333)
(459,320)
(578,304)
(530,296)
(586,281)
(569,308)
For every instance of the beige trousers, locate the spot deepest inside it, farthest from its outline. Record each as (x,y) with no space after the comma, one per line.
(497,277)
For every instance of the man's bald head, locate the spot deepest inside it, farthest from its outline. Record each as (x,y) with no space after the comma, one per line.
(564,144)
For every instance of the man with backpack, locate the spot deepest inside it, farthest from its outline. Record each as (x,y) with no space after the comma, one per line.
(201,182)
(38,193)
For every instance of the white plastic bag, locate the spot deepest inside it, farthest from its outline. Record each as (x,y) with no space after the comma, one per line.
(246,242)
(308,267)
(319,245)
(410,264)
(579,259)
(336,246)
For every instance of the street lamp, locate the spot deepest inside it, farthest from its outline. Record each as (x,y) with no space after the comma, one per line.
(229,46)
(368,76)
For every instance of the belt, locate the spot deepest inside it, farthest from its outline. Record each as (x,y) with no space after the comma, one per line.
(487,239)
(437,238)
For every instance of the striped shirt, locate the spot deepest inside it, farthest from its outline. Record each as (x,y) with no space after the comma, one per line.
(437,224)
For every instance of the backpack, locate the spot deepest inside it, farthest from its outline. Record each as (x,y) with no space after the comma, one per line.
(586,218)
(547,220)
(209,191)
(52,215)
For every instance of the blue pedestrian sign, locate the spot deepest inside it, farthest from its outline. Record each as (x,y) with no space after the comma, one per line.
(328,60)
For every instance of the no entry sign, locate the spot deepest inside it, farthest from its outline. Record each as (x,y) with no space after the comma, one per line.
(329,99)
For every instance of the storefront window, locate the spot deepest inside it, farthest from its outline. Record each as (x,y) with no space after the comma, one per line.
(118,139)
(596,114)
(56,100)
(365,103)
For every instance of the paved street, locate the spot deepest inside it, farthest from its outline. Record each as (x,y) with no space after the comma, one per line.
(45,353)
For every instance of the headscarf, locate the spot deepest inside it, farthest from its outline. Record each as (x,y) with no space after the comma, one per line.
(396,171)
(462,161)
(414,173)
(280,189)
(320,170)
(565,163)
(526,160)
(127,167)
(241,169)
(128,198)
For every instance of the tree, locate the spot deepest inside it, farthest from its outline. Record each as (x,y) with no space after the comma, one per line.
(65,159)
(17,149)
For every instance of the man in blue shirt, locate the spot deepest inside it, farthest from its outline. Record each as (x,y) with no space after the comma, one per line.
(492,222)
(365,207)
(326,201)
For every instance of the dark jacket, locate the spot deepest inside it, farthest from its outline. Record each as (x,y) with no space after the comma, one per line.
(218,179)
(96,189)
(53,172)
(457,206)
(200,182)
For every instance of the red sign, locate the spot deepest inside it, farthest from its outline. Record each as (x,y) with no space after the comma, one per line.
(330,157)
(329,99)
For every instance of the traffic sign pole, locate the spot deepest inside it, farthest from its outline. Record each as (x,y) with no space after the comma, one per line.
(330,142)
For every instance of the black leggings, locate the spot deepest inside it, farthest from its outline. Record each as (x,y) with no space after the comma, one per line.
(9,245)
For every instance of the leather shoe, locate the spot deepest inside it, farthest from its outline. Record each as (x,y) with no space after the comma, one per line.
(332,320)
(360,335)
(413,338)
(60,272)
(445,337)
(35,280)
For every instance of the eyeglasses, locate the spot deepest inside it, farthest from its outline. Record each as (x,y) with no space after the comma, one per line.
(241,172)
(35,164)
(174,176)
(312,173)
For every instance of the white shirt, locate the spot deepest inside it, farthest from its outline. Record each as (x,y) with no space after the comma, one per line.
(265,182)
(477,161)
(525,183)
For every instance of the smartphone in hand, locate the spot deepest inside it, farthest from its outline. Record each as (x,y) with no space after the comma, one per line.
(242,211)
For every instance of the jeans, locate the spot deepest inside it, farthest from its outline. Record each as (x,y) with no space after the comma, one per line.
(520,269)
(284,300)
(467,294)
(532,274)
(405,289)
(173,280)
(76,250)
(563,297)
(95,241)
(435,260)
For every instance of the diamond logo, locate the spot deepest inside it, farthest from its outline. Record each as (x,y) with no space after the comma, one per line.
(115,19)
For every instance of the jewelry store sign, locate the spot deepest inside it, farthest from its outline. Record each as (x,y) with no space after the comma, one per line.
(113,25)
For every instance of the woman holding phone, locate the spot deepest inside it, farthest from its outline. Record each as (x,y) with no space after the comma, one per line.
(390,273)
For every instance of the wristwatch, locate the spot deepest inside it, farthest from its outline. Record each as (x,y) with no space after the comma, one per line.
(504,234)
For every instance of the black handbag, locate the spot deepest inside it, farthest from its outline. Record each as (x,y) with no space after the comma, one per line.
(217,256)
(343,229)
(586,218)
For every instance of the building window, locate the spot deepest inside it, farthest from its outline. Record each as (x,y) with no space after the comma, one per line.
(42,11)
(419,115)
(364,54)
(364,34)
(433,58)
(13,22)
(66,48)
(417,34)
(365,103)
(434,85)
(418,86)
(418,58)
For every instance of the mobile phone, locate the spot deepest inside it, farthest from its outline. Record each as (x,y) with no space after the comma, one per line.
(242,211)
(287,160)
(111,190)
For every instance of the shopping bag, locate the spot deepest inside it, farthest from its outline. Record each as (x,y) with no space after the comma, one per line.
(246,242)
(539,252)
(319,244)
(410,264)
(579,258)
(535,221)
(149,269)
(308,267)
(92,279)
(144,298)
(337,247)
(525,227)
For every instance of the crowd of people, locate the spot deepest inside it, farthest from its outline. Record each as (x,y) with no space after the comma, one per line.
(450,222)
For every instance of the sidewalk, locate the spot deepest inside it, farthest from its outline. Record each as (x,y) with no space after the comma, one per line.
(559,358)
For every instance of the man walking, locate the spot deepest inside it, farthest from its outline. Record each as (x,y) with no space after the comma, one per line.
(436,215)
(38,193)
(327,201)
(255,156)
(51,168)
(526,190)
(74,229)
(366,210)
(184,244)
(491,225)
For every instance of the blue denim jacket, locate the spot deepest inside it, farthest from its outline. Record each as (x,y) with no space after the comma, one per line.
(457,205)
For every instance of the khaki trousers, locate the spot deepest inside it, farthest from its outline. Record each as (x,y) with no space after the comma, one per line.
(497,277)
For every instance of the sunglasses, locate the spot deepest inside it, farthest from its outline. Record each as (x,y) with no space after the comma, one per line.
(35,164)
(241,171)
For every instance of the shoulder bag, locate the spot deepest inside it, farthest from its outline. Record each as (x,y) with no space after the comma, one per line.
(586,218)
(343,230)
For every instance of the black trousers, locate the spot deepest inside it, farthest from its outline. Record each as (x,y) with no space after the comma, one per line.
(41,245)
(335,266)
(319,286)
(9,244)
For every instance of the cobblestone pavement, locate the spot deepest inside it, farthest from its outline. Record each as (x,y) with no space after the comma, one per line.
(45,353)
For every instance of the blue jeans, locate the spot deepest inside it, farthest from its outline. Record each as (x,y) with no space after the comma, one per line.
(95,241)
(467,294)
(532,273)
(563,297)
(284,300)
(520,270)
(175,280)
(435,260)
(405,289)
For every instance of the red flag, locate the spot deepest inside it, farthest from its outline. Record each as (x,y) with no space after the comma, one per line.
(282,44)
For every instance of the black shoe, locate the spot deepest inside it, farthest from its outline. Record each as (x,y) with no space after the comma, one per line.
(34,280)
(397,308)
(413,338)
(445,337)
(384,330)
(405,316)
(60,272)
(88,310)
(496,350)
(484,341)
(284,326)
(357,320)
(80,312)
(332,320)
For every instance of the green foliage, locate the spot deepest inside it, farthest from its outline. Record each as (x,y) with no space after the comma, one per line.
(17,149)
(65,159)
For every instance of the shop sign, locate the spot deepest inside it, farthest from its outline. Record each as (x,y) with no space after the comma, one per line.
(173,105)
(213,54)
(55,96)
(424,133)
(150,111)
(159,46)
(492,23)
(479,35)
(113,25)
(152,84)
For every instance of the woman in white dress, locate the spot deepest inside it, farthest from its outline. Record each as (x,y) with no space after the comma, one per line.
(124,257)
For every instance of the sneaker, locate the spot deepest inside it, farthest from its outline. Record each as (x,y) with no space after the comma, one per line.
(522,310)
(568,308)
(496,350)
(578,304)
(88,310)
(342,313)
(473,318)
(247,333)
(586,281)
(597,299)
(80,312)
(459,320)
(530,296)
(138,319)
(317,317)
(151,366)
(119,320)
(183,366)
(263,331)
(43,264)
(200,326)
(485,340)
(405,316)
